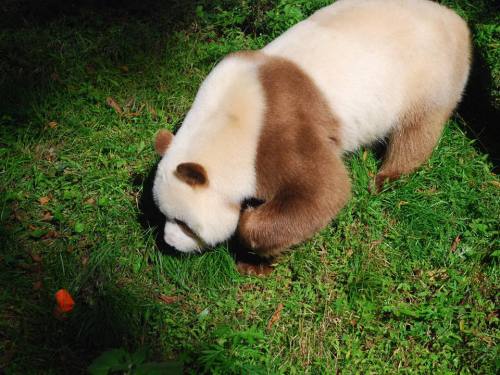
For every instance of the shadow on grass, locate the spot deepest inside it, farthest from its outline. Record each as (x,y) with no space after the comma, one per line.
(479,113)
(45,43)
(109,312)
(112,309)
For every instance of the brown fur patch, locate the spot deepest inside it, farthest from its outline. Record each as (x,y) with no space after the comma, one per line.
(412,142)
(300,174)
(192,174)
(162,141)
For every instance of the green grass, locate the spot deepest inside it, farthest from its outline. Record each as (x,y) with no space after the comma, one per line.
(381,290)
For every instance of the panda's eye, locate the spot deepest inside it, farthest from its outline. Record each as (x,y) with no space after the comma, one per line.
(185,228)
(190,233)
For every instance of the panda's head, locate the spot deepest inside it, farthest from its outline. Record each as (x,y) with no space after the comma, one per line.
(198,215)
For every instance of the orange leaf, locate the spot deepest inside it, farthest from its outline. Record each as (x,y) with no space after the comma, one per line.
(169,299)
(37,258)
(276,316)
(113,104)
(65,302)
(455,243)
(47,216)
(50,234)
(44,200)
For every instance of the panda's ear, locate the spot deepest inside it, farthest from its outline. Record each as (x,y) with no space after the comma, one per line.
(162,141)
(192,174)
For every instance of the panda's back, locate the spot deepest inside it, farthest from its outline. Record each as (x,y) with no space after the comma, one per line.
(374,59)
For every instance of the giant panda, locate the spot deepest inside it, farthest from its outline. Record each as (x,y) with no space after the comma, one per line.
(274,124)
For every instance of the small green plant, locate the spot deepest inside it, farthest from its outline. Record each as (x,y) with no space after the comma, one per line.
(119,361)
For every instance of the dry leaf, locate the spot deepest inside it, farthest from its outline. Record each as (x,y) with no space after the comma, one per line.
(455,243)
(365,155)
(55,77)
(152,112)
(402,203)
(124,68)
(375,243)
(50,235)
(47,216)
(276,316)
(44,200)
(492,316)
(113,104)
(495,183)
(136,113)
(85,260)
(36,257)
(90,201)
(130,103)
(169,299)
(53,124)
(50,154)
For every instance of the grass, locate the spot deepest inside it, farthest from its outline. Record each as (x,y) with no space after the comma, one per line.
(404,281)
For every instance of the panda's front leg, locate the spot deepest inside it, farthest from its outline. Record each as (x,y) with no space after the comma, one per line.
(293,215)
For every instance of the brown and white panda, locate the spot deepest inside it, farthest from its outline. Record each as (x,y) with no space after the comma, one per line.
(273,124)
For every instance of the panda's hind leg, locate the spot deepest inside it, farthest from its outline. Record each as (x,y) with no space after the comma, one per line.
(411,142)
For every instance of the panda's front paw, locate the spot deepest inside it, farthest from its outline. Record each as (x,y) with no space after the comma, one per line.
(258,235)
(248,231)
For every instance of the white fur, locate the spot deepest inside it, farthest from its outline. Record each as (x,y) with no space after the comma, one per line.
(220,132)
(174,236)
(371,59)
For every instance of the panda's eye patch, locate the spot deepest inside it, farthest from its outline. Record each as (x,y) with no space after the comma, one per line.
(251,203)
(185,228)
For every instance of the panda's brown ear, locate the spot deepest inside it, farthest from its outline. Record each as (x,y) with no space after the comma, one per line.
(192,174)
(162,141)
